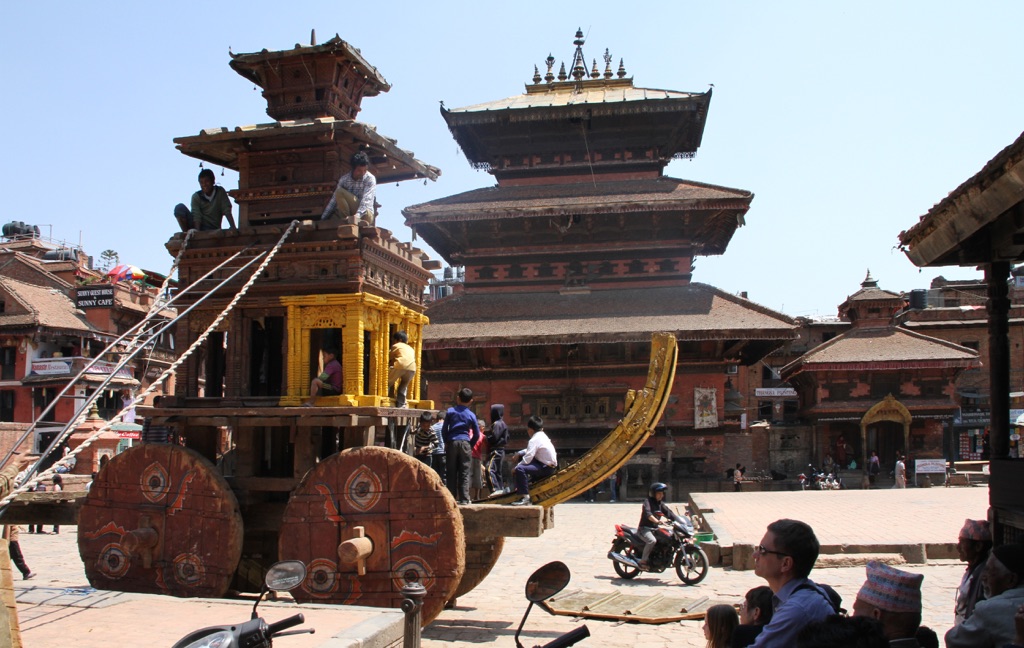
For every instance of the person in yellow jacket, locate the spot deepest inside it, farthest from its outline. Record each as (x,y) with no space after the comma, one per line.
(403,366)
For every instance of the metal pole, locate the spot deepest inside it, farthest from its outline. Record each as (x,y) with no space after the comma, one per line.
(412,606)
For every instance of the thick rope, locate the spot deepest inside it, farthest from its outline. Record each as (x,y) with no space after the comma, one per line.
(30,484)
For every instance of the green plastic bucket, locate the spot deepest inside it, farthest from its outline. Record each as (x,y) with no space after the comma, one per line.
(703,537)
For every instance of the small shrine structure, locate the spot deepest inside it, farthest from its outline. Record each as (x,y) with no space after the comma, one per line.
(879,386)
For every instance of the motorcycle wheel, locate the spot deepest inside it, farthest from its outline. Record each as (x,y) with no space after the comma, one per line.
(625,571)
(692,565)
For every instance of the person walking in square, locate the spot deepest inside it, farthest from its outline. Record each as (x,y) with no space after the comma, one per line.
(11,533)
(900,472)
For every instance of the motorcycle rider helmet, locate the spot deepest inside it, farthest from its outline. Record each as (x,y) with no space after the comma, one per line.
(658,487)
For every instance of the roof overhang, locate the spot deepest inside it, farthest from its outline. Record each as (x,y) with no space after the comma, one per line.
(222,146)
(980,222)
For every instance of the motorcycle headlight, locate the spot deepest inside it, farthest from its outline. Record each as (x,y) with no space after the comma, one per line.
(221,639)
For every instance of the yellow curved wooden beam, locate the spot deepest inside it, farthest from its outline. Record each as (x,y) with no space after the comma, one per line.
(642,413)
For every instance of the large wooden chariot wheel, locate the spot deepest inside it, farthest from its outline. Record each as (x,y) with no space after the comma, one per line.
(369,521)
(159,519)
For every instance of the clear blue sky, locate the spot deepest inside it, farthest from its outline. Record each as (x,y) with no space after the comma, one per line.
(848,121)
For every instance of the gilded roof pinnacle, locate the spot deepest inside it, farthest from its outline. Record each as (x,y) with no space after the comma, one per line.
(576,70)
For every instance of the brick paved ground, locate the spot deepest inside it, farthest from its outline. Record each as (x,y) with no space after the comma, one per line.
(489,615)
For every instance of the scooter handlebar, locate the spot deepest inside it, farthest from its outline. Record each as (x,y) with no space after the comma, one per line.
(282,625)
(569,638)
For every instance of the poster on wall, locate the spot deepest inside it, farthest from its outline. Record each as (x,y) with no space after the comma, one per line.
(705,407)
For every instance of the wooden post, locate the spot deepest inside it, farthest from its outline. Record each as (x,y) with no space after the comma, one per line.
(412,605)
(998,307)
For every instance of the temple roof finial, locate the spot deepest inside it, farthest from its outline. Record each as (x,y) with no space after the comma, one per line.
(579,66)
(536,75)
(622,70)
(869,281)
(550,76)
(607,64)
(594,73)
(562,76)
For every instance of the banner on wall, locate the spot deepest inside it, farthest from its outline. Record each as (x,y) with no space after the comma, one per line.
(705,407)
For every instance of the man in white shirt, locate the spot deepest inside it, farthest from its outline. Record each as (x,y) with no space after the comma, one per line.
(537,461)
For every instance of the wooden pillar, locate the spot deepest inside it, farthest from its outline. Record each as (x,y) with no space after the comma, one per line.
(863,445)
(998,307)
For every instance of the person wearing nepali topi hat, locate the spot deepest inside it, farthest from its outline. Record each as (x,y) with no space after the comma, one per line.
(973,545)
(893,597)
(992,624)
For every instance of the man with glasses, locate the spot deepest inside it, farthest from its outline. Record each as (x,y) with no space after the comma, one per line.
(784,559)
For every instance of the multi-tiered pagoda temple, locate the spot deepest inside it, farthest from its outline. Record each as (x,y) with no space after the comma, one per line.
(582,250)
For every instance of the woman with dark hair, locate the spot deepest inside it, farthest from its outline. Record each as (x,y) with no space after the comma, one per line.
(719,623)
(755,611)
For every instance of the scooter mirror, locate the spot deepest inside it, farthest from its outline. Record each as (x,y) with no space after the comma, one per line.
(547,581)
(285,575)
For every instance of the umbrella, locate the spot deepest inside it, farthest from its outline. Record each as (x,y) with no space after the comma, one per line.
(124,272)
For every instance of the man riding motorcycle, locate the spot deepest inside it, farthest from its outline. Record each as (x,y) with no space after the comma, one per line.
(654,507)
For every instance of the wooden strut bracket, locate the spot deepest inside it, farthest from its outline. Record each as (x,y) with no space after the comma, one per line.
(356,550)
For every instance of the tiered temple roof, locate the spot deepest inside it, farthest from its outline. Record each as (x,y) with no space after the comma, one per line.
(606,123)
(693,312)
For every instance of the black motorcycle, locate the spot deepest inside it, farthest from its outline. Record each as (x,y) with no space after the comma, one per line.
(675,547)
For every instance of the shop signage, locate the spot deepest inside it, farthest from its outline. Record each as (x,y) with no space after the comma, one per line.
(982,418)
(775,392)
(94,297)
(971,418)
(930,466)
(51,367)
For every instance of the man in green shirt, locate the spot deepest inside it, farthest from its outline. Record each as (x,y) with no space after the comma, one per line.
(209,206)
